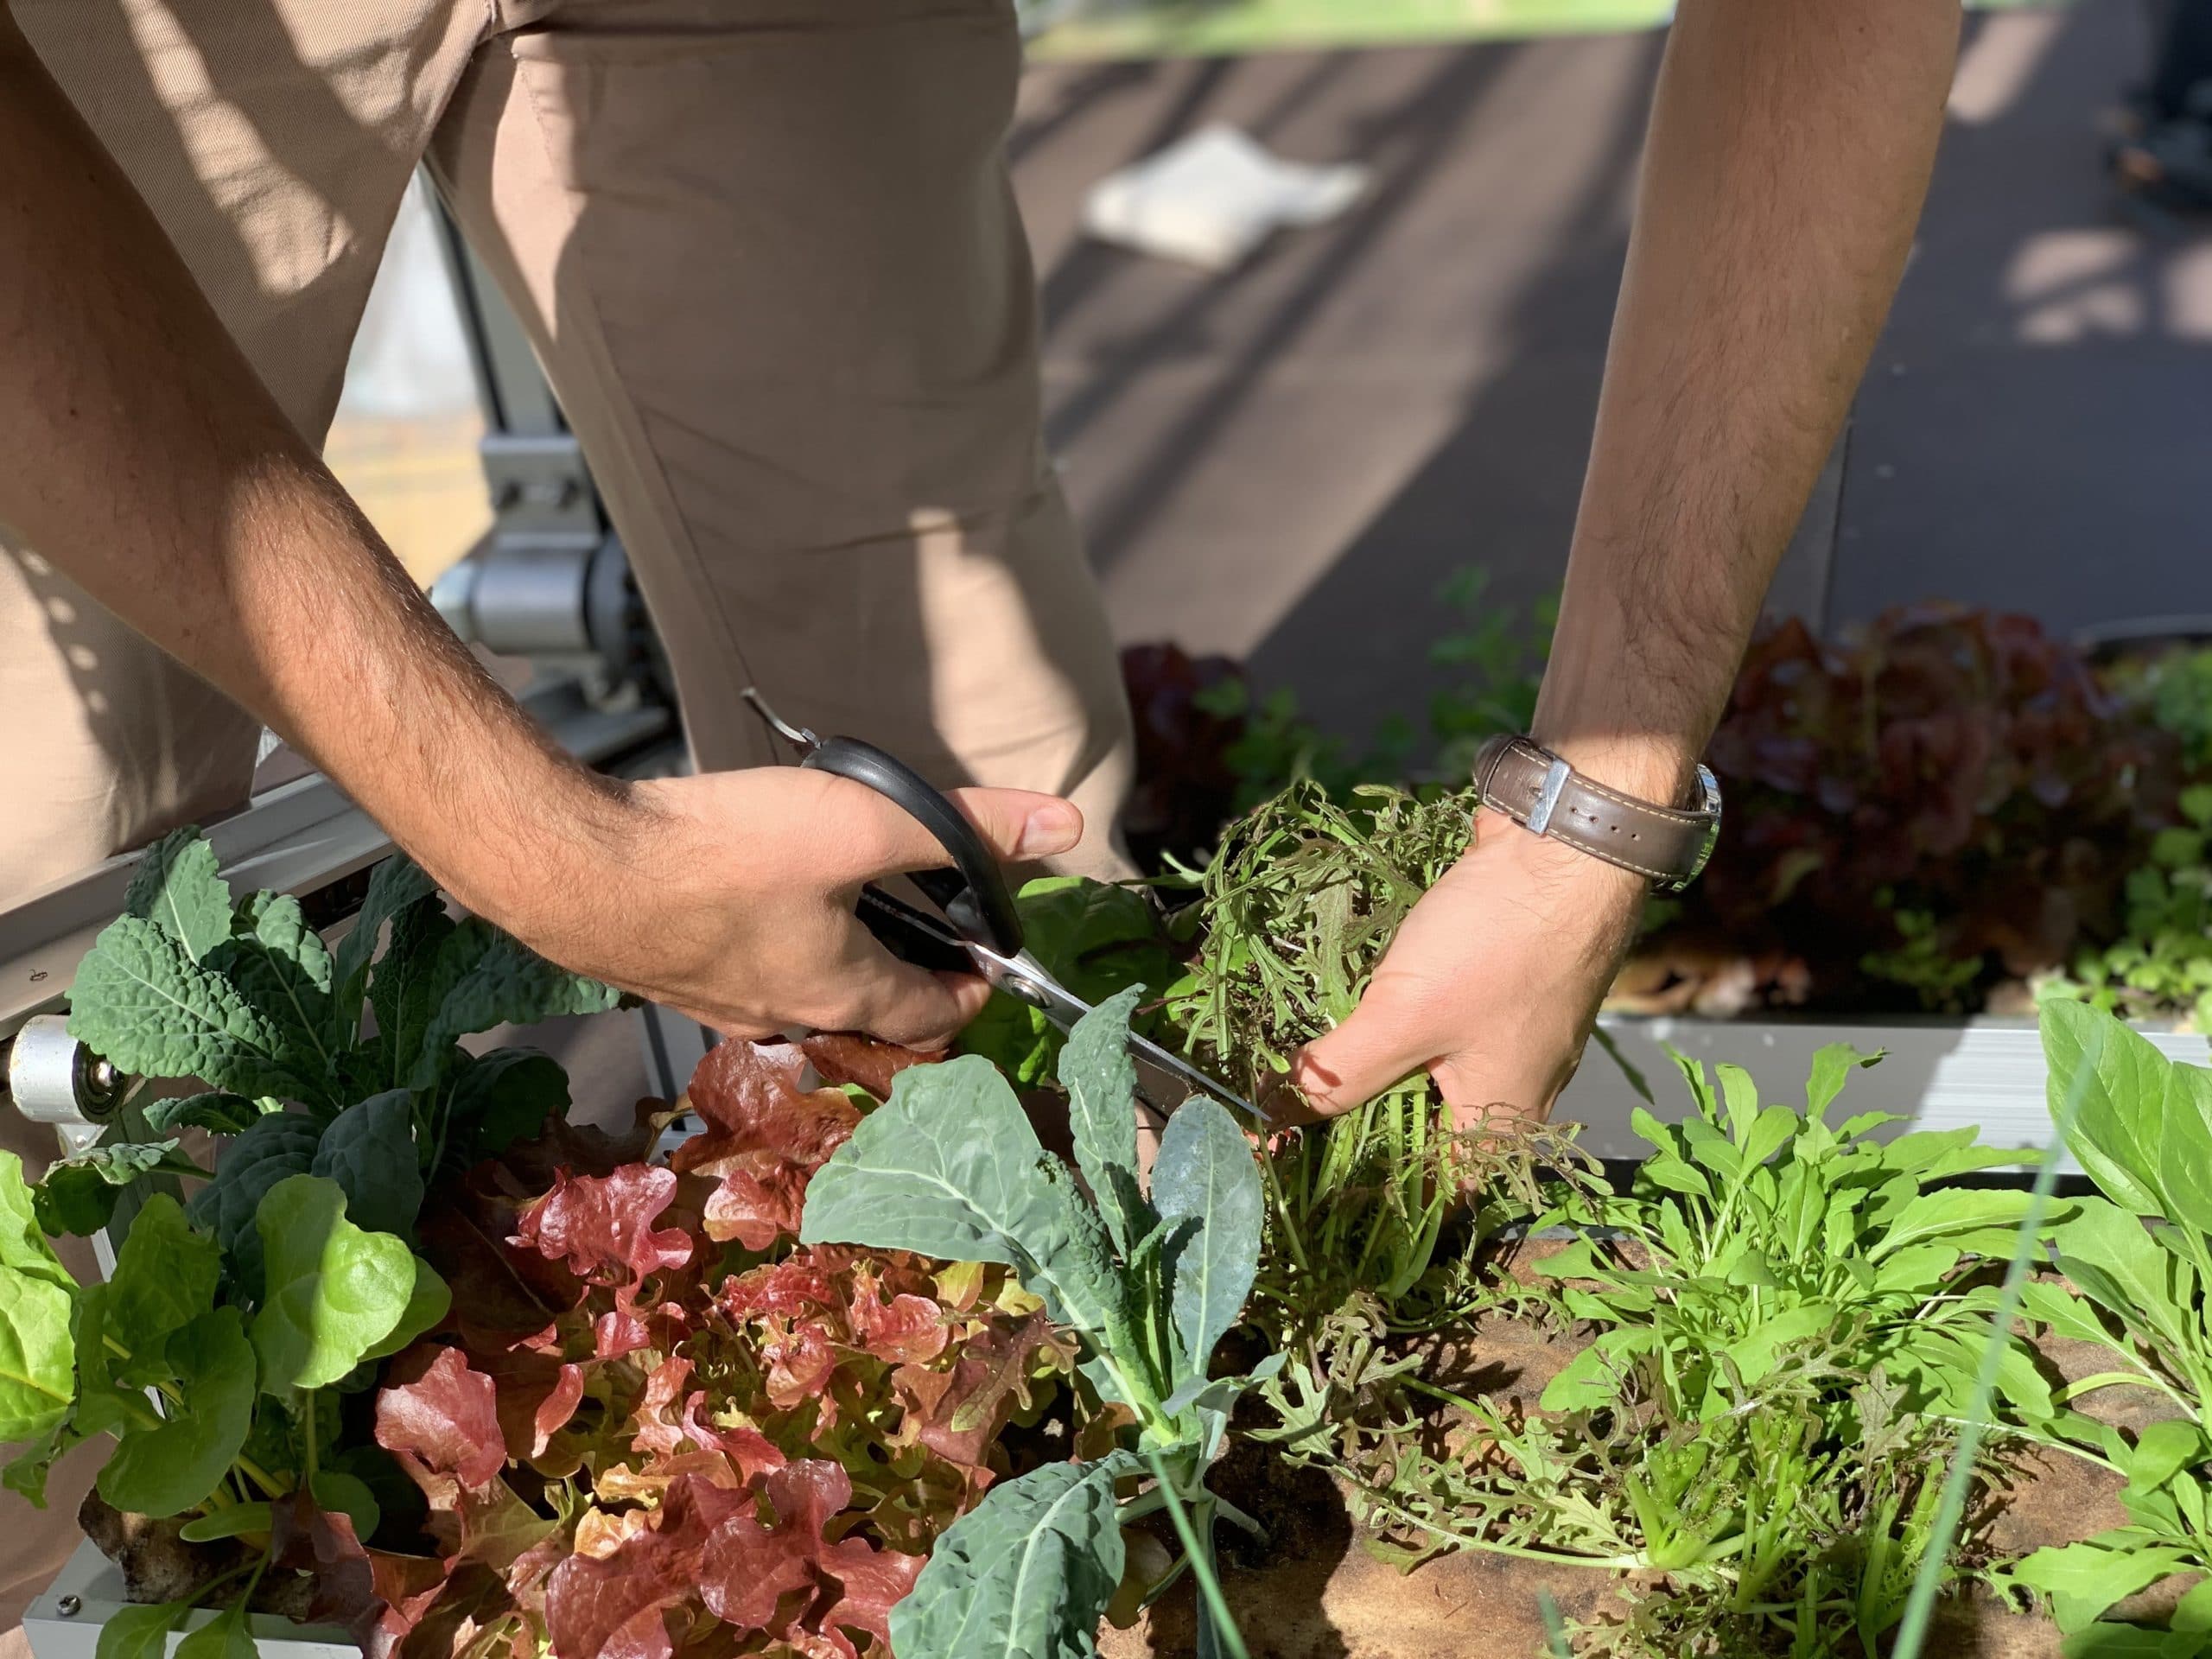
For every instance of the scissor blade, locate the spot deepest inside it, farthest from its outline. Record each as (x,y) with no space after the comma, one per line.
(1183,1079)
(1165,1081)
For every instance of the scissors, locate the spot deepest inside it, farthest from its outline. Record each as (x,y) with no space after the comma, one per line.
(980,931)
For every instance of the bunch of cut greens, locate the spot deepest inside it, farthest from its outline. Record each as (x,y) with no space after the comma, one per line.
(2141,1259)
(1148,1284)
(1298,905)
(234,1340)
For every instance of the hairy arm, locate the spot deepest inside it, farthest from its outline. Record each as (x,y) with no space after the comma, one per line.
(1787,156)
(140,454)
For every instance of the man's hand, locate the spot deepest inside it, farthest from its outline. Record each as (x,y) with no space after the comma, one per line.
(139,453)
(1492,983)
(1789,153)
(729,896)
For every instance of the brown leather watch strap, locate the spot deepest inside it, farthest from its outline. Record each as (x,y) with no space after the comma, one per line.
(1665,844)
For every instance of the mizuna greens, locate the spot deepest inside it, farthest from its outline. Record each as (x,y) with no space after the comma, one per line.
(1148,1283)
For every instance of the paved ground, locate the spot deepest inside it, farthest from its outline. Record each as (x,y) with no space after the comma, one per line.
(1286,461)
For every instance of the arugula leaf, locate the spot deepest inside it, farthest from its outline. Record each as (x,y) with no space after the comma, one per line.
(1027,1571)
(37,1350)
(178,887)
(1102,1084)
(2083,1580)
(1983,1220)
(2107,1252)
(78,1193)
(167,1465)
(2119,1124)
(333,1291)
(369,1150)
(1205,1174)
(2162,1451)
(1831,1069)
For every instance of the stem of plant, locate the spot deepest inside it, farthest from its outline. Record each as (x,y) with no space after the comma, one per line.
(1199,1550)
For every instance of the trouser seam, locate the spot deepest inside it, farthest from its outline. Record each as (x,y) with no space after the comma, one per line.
(628,418)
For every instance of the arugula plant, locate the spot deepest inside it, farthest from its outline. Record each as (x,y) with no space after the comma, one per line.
(1148,1283)
(1786,1313)
(1762,1228)
(247,999)
(2141,1261)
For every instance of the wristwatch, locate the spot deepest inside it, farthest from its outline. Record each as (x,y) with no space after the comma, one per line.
(1542,793)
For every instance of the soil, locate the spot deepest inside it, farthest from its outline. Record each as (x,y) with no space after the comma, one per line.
(159,1566)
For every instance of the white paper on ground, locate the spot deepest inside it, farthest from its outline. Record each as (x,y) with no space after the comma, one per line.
(1210,198)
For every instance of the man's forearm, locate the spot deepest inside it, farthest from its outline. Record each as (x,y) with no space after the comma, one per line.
(140,454)
(1788,154)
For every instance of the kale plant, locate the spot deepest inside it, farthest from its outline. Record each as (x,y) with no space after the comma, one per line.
(222,1352)
(1149,1283)
(247,999)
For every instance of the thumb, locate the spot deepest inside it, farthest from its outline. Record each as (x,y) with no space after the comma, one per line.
(1376,1046)
(1021,824)
(1014,823)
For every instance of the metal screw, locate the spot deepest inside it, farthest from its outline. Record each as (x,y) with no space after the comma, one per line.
(69,1606)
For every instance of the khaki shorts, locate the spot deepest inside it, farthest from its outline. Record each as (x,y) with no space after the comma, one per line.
(770,258)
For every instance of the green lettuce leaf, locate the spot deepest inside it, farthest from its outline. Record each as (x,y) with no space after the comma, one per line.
(37,1350)
(333,1292)
(171,1464)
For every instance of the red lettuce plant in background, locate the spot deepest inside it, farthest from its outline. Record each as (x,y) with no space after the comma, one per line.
(1186,785)
(654,1423)
(1950,799)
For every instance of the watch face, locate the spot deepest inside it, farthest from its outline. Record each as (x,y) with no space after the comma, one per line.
(1708,788)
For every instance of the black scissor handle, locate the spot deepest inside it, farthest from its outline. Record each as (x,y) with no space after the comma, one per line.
(973,894)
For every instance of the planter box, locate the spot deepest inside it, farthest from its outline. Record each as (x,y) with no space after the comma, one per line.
(65,1623)
(1985,1072)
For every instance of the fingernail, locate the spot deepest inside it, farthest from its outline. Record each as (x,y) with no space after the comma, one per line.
(1051,829)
